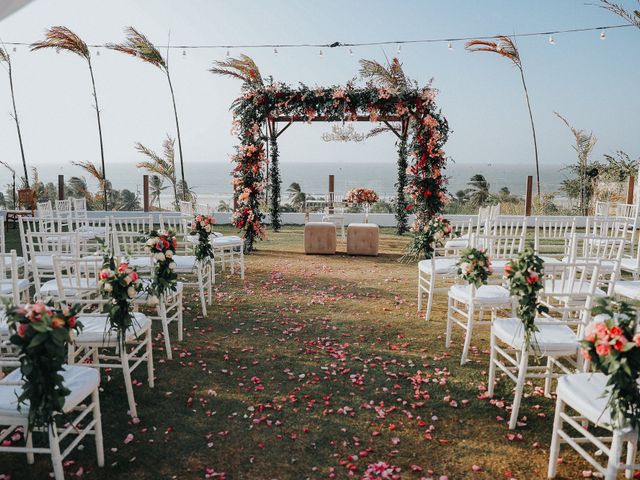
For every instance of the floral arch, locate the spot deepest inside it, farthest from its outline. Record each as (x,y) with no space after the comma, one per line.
(421,158)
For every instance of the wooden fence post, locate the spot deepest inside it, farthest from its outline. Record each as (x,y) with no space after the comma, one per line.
(145,192)
(630,186)
(528,198)
(332,190)
(60,187)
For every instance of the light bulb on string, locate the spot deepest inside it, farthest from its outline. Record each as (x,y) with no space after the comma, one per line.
(552,41)
(228,54)
(449,46)
(275,51)
(184,52)
(399,49)
(351,52)
(15,49)
(321,54)
(603,36)
(98,52)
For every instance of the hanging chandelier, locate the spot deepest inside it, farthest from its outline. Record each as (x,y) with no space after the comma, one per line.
(343,133)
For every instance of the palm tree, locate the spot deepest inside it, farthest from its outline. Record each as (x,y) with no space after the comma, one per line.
(162,166)
(585,142)
(478,192)
(633,18)
(297,197)
(506,47)
(138,45)
(61,38)
(93,170)
(156,187)
(4,57)
(13,181)
(243,68)
(223,207)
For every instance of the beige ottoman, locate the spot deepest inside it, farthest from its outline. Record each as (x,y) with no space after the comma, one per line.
(362,239)
(320,238)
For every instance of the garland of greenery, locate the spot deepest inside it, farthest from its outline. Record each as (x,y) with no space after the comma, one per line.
(402,225)
(612,346)
(162,247)
(429,131)
(525,277)
(42,332)
(474,266)
(276,222)
(202,226)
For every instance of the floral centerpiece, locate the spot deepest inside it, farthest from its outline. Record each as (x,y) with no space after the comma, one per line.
(474,266)
(121,283)
(41,332)
(525,277)
(361,196)
(427,236)
(202,226)
(162,247)
(612,346)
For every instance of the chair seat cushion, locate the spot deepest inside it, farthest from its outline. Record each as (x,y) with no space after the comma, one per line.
(140,262)
(444,265)
(628,288)
(551,260)
(96,331)
(587,394)
(6,286)
(185,262)
(457,243)
(493,295)
(227,241)
(81,381)
(70,285)
(558,288)
(550,339)
(630,265)
(19,264)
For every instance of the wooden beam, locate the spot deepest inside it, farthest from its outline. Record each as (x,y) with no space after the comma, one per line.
(359,118)
(284,128)
(332,190)
(60,187)
(393,129)
(528,198)
(145,192)
(630,186)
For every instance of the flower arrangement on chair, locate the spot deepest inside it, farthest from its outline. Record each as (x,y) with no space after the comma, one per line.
(474,267)
(612,346)
(525,276)
(41,332)
(162,247)
(121,283)
(428,236)
(202,226)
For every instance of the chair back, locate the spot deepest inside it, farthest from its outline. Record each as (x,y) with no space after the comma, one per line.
(79,207)
(552,234)
(508,226)
(202,209)
(9,279)
(77,280)
(2,239)
(503,247)
(186,208)
(179,225)
(63,213)
(44,210)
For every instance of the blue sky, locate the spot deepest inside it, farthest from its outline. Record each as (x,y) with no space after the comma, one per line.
(591,82)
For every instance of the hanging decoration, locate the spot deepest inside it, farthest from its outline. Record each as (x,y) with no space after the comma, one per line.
(343,134)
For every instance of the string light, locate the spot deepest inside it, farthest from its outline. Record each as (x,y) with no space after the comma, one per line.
(603,35)
(98,52)
(228,54)
(15,49)
(351,52)
(184,52)
(399,49)
(275,51)
(449,46)
(552,40)
(321,54)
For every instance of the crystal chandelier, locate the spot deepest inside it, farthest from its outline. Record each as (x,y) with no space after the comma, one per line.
(342,134)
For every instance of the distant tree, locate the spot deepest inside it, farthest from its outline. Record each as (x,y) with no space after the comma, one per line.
(478,192)
(3,202)
(156,187)
(223,206)
(297,197)
(105,186)
(619,167)
(128,201)
(162,166)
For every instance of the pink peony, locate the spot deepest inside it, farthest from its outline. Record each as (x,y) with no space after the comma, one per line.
(603,349)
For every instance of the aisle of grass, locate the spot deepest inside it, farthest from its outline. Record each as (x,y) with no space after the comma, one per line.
(315,367)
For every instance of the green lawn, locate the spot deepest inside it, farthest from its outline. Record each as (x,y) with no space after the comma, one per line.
(307,369)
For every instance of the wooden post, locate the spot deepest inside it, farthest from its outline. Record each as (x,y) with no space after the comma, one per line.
(60,187)
(145,192)
(630,186)
(528,198)
(331,192)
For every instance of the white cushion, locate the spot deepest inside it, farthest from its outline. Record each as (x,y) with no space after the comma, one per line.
(185,262)
(552,260)
(443,265)
(549,340)
(628,288)
(140,262)
(6,286)
(19,263)
(457,243)
(629,265)
(227,241)
(560,288)
(96,331)
(69,284)
(493,295)
(81,381)
(587,394)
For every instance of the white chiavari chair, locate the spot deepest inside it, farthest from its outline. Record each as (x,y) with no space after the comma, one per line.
(606,250)
(551,237)
(41,248)
(557,337)
(13,287)
(228,251)
(462,229)
(186,208)
(64,214)
(127,236)
(582,401)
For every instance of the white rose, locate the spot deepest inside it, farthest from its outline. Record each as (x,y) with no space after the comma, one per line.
(464,266)
(72,335)
(169,254)
(131,292)
(151,242)
(202,224)
(159,256)
(172,265)
(207,228)
(153,300)
(108,287)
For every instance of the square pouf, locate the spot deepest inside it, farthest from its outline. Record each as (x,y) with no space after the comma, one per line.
(362,239)
(319,238)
